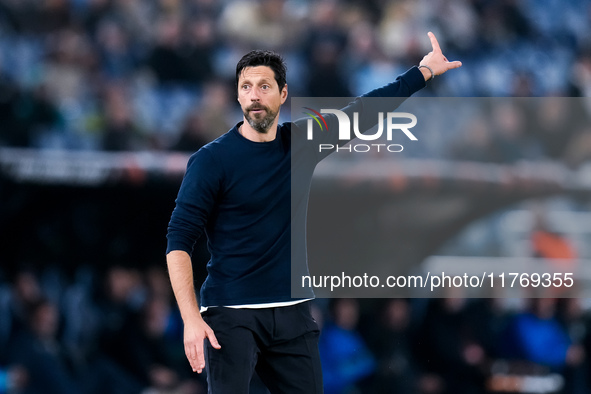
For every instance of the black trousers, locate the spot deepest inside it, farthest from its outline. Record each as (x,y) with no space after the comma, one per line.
(280,344)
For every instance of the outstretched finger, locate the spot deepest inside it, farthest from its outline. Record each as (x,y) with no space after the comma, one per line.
(434,43)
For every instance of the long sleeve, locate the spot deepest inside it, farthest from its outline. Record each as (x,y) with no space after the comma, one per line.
(367,106)
(195,201)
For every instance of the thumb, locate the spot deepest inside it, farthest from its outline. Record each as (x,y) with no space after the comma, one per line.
(455,64)
(212,339)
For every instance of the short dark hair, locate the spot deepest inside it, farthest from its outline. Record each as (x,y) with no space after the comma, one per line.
(264,58)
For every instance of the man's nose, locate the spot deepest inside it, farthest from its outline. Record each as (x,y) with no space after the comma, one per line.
(254,95)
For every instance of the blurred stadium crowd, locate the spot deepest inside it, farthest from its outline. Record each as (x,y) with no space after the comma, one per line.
(118,332)
(120,75)
(158,74)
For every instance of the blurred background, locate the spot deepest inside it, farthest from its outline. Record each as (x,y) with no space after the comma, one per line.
(102,101)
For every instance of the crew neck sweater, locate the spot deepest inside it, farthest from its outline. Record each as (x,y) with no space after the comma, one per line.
(239,193)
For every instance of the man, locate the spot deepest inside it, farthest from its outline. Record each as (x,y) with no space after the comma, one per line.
(237,189)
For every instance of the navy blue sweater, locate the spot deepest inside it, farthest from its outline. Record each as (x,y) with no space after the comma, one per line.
(239,192)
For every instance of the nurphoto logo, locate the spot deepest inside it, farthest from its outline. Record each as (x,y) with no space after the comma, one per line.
(344,130)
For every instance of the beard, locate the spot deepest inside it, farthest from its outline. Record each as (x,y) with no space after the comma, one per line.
(257,121)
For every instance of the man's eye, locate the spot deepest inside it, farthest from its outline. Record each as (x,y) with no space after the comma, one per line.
(265,87)
(245,86)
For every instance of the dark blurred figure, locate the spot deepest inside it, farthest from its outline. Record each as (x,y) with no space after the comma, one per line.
(96,12)
(448,349)
(10,132)
(487,321)
(8,17)
(38,349)
(54,15)
(120,132)
(119,299)
(118,56)
(26,292)
(581,73)
(199,49)
(192,136)
(123,294)
(393,341)
(501,22)
(167,60)
(23,114)
(39,17)
(347,363)
(571,315)
(210,8)
(37,113)
(324,51)
(326,78)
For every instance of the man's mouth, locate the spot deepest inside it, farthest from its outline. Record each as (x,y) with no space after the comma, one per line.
(257,108)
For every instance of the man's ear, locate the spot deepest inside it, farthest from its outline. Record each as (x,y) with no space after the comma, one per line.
(284,94)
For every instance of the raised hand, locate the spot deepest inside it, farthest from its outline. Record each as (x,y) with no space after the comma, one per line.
(436,61)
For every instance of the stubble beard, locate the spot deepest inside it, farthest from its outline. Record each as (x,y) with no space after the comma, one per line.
(260,124)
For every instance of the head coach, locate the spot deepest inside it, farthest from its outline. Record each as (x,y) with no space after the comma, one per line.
(236,189)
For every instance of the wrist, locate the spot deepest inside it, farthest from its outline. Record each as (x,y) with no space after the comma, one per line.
(193,321)
(427,72)
(193,315)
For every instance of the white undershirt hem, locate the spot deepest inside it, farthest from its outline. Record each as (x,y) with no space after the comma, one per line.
(257,306)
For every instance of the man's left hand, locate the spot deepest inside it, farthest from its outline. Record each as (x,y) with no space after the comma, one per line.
(436,61)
